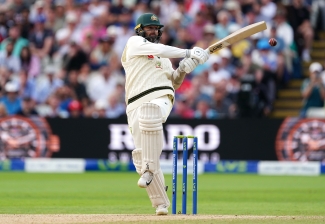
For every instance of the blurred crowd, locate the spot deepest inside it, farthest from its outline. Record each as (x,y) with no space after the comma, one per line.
(61,58)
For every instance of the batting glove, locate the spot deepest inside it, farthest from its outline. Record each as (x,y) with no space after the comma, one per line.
(188,65)
(198,54)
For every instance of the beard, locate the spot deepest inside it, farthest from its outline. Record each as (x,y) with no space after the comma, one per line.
(153,38)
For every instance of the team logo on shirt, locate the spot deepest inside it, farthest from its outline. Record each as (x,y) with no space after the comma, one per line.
(150,57)
(158,64)
(154,18)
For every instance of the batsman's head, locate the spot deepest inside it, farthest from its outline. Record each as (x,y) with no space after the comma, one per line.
(149,27)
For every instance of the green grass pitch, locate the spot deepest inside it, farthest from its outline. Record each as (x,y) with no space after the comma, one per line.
(117,193)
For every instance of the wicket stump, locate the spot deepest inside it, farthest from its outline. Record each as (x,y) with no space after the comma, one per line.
(184,182)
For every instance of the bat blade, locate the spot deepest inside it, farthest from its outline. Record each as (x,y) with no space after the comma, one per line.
(237,36)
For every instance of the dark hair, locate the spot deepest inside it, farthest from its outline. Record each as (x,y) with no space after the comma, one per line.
(29,55)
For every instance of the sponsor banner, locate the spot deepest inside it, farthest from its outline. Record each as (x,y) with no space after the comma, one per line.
(12,165)
(46,165)
(300,139)
(27,137)
(167,167)
(110,139)
(231,167)
(322,168)
(289,168)
(105,165)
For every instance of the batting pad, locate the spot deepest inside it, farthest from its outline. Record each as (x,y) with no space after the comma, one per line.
(150,124)
(157,191)
(137,160)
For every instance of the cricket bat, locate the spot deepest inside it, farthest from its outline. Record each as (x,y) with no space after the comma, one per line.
(237,36)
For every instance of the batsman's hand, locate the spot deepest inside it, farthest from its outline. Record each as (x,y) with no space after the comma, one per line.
(188,65)
(198,54)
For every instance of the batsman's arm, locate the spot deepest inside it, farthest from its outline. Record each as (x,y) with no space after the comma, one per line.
(186,65)
(137,46)
(177,78)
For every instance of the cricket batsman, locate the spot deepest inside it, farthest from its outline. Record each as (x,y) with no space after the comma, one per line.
(150,85)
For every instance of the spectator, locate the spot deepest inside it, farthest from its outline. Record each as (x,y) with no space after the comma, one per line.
(208,36)
(85,15)
(3,27)
(195,29)
(3,111)
(313,89)
(15,38)
(75,109)
(226,60)
(233,85)
(101,84)
(298,17)
(282,75)
(167,6)
(27,108)
(27,86)
(268,9)
(78,88)
(238,49)
(97,7)
(5,77)
(204,111)
(18,6)
(222,27)
(41,39)
(47,85)
(55,17)
(261,104)
(183,40)
(206,87)
(284,31)
(11,99)
(182,109)
(235,12)
(97,30)
(74,59)
(67,34)
(318,15)
(250,17)
(30,63)
(194,93)
(120,38)
(216,72)
(100,108)
(224,107)
(86,44)
(52,108)
(8,59)
(115,108)
(37,11)
(257,9)
(267,60)
(104,54)
(24,24)
(66,95)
